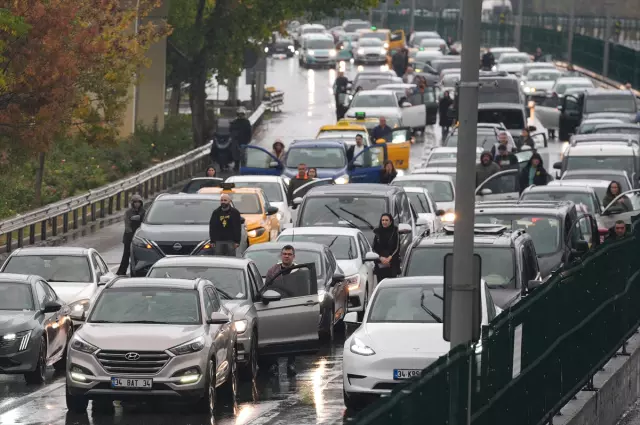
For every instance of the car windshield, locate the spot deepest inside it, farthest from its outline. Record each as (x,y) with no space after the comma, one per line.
(273,190)
(181,211)
(368,100)
(498,268)
(407,304)
(229,282)
(561,88)
(355,26)
(489,93)
(246,203)
(417,39)
(513,119)
(485,139)
(147,305)
(52,268)
(440,191)
(514,59)
(582,200)
(343,247)
(625,163)
(320,44)
(528,69)
(314,30)
(378,35)
(545,231)
(441,156)
(362,212)
(317,157)
(450,80)
(543,75)
(419,202)
(267,258)
(370,42)
(613,103)
(195,185)
(372,82)
(15,296)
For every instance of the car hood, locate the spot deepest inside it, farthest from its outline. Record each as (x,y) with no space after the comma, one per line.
(371,49)
(349,267)
(172,233)
(375,112)
(70,292)
(238,308)
(510,67)
(254,220)
(625,117)
(15,321)
(504,297)
(114,336)
(396,338)
(540,85)
(549,263)
(323,173)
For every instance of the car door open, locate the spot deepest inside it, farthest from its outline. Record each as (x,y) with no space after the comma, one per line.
(259,161)
(502,185)
(302,190)
(367,165)
(414,116)
(288,311)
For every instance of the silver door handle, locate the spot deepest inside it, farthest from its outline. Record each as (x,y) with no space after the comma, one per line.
(311,303)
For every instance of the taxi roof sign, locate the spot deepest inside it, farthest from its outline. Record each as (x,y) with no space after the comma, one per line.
(228,186)
(373,28)
(361,115)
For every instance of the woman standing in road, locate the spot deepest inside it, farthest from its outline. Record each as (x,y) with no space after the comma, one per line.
(312,174)
(278,150)
(386,244)
(612,192)
(388,172)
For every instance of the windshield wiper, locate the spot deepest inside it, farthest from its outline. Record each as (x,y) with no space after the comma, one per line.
(504,285)
(358,217)
(340,217)
(429,312)
(225,295)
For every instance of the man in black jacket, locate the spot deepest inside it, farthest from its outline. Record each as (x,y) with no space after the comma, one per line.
(505,159)
(132,220)
(225,228)
(299,180)
(241,132)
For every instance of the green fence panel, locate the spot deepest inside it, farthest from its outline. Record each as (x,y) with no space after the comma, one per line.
(624,65)
(550,41)
(588,52)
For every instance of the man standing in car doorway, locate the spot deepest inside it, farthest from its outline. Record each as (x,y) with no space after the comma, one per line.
(225,228)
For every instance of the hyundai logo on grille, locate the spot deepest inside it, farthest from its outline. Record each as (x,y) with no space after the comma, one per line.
(132,356)
(177,246)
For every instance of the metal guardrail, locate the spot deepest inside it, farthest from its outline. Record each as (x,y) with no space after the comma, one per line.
(107,200)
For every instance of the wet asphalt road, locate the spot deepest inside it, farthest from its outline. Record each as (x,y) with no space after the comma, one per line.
(314,396)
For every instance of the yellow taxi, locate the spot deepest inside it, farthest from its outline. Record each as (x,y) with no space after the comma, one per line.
(260,218)
(398,148)
(393,40)
(344,130)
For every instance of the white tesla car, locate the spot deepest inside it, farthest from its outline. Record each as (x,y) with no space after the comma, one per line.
(400,336)
(353,253)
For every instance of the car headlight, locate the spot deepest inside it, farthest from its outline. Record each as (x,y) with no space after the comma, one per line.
(266,50)
(353,282)
(256,232)
(361,51)
(241,326)
(79,306)
(193,346)
(342,179)
(83,346)
(141,242)
(383,51)
(449,217)
(359,347)
(321,294)
(332,53)
(494,68)
(23,337)
(311,52)
(386,45)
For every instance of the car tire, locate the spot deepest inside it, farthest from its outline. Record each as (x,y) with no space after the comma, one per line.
(229,389)
(249,371)
(61,365)
(39,374)
(327,334)
(76,403)
(364,304)
(207,403)
(351,401)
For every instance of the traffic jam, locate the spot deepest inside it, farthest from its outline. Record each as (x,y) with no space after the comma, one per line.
(329,248)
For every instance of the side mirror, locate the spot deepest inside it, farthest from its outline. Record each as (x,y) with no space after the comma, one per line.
(406,105)
(351,318)
(270,295)
(582,247)
(78,315)
(272,210)
(440,213)
(51,307)
(557,165)
(533,284)
(274,164)
(337,277)
(106,278)
(533,128)
(371,256)
(404,229)
(422,221)
(486,191)
(297,201)
(218,318)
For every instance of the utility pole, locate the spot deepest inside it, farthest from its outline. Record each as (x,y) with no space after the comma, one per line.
(412,20)
(460,20)
(385,13)
(607,40)
(572,25)
(463,282)
(518,27)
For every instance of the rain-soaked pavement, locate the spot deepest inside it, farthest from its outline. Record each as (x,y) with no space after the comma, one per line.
(314,396)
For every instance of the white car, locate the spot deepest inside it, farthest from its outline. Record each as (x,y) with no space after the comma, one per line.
(540,80)
(370,50)
(353,253)
(432,43)
(385,103)
(440,187)
(512,62)
(426,209)
(401,334)
(274,187)
(446,157)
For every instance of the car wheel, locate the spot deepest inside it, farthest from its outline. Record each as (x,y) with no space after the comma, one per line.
(61,364)
(249,371)
(76,403)
(364,304)
(327,334)
(207,404)
(39,374)
(229,389)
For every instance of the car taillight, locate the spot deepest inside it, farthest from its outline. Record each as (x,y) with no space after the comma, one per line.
(603,234)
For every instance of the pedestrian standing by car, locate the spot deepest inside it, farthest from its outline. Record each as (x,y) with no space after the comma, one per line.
(505,159)
(534,173)
(488,60)
(381,131)
(388,172)
(225,228)
(278,150)
(386,243)
(211,171)
(617,232)
(241,132)
(526,139)
(504,139)
(538,56)
(340,86)
(355,150)
(612,192)
(443,110)
(312,174)
(486,168)
(287,257)
(300,179)
(132,220)
(400,62)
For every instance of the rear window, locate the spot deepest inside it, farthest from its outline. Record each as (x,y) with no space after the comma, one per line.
(379,35)
(52,268)
(583,201)
(613,103)
(342,247)
(601,162)
(513,119)
(508,91)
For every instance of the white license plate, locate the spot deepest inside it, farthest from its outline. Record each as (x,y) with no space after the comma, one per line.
(406,373)
(143,384)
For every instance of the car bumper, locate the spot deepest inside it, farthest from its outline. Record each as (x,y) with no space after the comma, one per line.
(14,361)
(371,59)
(312,60)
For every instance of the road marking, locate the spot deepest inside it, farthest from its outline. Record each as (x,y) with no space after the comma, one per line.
(13,404)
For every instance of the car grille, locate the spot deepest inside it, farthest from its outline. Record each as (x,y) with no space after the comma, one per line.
(148,363)
(185,249)
(373,56)
(7,347)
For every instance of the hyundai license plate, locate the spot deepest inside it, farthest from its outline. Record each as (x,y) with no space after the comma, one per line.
(406,373)
(143,384)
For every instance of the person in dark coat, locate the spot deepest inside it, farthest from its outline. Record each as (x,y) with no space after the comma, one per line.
(386,243)
(132,220)
(381,131)
(225,228)
(486,168)
(617,232)
(534,173)
(443,110)
(400,62)
(526,139)
(300,179)
(538,56)
(340,86)
(612,192)
(505,159)
(241,132)
(488,60)
(388,172)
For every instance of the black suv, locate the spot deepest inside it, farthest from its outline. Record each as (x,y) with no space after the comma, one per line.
(559,232)
(509,261)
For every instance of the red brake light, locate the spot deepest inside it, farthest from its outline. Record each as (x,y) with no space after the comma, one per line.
(533,220)
(603,231)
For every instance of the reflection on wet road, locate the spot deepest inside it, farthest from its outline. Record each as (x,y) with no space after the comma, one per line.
(314,396)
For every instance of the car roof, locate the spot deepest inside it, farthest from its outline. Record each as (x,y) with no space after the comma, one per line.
(185,196)
(617,123)
(507,54)
(425,177)
(504,49)
(322,230)
(201,260)
(503,239)
(317,143)
(239,190)
(573,80)
(598,91)
(257,179)
(607,148)
(601,120)
(411,281)
(17,278)
(559,188)
(414,189)
(597,137)
(594,171)
(500,105)
(152,282)
(355,189)
(540,65)
(269,246)
(555,208)
(391,86)
(586,182)
(435,170)
(545,69)
(376,92)
(57,250)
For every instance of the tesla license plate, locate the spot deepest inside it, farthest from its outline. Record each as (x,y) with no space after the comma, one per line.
(406,373)
(143,384)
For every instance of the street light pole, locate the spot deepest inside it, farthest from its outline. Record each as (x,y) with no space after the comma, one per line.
(572,24)
(607,41)
(385,13)
(518,28)
(412,24)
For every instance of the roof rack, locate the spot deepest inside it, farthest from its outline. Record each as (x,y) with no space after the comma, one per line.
(480,229)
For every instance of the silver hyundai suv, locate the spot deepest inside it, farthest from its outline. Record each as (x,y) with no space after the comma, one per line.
(153,338)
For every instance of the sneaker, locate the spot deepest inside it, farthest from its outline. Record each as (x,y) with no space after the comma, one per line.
(291,370)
